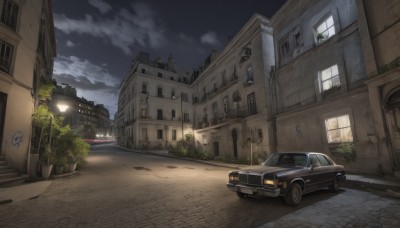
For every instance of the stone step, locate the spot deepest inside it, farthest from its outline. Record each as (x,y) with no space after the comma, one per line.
(3,163)
(14,181)
(4,167)
(8,175)
(7,170)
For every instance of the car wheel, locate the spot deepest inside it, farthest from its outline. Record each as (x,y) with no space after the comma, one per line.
(293,197)
(334,187)
(241,195)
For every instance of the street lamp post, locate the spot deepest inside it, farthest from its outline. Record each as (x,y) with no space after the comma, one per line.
(181,116)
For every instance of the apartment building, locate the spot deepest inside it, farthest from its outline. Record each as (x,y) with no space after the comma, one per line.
(154,104)
(321,75)
(92,120)
(232,118)
(27,51)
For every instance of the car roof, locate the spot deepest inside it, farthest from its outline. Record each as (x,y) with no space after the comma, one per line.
(299,152)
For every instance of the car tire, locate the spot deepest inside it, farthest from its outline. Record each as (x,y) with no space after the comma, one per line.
(293,197)
(334,187)
(241,195)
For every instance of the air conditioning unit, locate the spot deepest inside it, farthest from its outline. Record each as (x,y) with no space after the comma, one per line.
(173,97)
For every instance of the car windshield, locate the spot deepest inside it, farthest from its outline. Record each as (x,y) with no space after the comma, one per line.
(284,159)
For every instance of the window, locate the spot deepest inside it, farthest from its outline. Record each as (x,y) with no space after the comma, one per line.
(185,97)
(314,160)
(251,102)
(338,129)
(174,135)
(159,134)
(144,134)
(324,161)
(10,14)
(143,70)
(249,77)
(173,94)
(159,75)
(159,92)
(284,51)
(6,51)
(325,30)
(144,112)
(144,88)
(185,117)
(226,108)
(173,114)
(224,78)
(329,78)
(159,114)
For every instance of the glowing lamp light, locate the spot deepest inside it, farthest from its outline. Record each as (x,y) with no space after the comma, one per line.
(62,107)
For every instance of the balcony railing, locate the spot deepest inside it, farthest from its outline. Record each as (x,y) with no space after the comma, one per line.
(219,118)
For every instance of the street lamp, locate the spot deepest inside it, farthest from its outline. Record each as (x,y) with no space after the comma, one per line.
(62,107)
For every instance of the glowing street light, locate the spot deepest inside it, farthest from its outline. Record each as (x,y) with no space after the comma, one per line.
(62,107)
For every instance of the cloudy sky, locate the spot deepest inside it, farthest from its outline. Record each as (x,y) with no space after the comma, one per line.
(97,39)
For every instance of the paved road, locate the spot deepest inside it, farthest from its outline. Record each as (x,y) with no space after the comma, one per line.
(123,189)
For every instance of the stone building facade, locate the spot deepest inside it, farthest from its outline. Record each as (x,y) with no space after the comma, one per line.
(381,35)
(232,117)
(154,104)
(27,51)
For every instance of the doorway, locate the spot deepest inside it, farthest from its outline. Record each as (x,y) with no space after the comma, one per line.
(3,106)
(234,140)
(216,149)
(392,108)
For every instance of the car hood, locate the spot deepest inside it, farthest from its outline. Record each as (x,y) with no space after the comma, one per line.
(273,170)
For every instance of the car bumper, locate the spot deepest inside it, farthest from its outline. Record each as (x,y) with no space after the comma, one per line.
(270,192)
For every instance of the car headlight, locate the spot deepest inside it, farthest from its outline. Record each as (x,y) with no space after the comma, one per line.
(273,182)
(233,178)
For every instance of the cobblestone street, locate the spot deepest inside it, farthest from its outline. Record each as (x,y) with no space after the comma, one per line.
(122,189)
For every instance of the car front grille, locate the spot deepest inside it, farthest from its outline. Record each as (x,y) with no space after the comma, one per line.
(248,179)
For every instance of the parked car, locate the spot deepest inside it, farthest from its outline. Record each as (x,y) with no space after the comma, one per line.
(289,175)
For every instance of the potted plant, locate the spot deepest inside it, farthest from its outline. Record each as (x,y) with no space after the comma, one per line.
(59,164)
(46,161)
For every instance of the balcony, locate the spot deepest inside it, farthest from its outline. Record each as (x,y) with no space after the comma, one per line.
(221,118)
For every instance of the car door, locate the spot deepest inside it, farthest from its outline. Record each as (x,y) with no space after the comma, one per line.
(327,171)
(316,171)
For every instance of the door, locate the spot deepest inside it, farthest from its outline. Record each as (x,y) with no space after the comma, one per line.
(216,149)
(393,123)
(3,106)
(234,139)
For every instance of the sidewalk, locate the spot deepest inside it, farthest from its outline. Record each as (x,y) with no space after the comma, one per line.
(23,192)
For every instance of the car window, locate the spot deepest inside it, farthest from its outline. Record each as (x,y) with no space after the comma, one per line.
(291,159)
(324,161)
(314,160)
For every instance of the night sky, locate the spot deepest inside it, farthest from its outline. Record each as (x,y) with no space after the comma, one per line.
(98,39)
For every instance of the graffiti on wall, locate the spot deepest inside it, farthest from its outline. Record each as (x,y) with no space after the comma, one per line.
(17,139)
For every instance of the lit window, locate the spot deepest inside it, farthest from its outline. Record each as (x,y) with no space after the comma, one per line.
(329,78)
(338,129)
(325,30)
(6,51)
(10,14)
